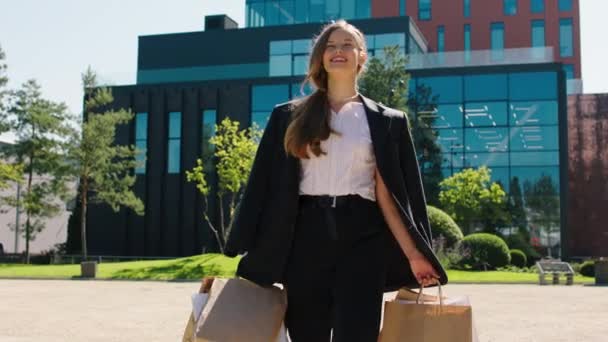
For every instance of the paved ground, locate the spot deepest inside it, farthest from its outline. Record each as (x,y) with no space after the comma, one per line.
(120,311)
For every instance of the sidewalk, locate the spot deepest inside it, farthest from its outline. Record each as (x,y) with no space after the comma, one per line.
(124,311)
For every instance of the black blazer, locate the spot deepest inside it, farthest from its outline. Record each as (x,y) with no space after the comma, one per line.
(265,219)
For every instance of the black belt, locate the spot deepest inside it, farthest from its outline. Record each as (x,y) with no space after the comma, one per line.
(326,201)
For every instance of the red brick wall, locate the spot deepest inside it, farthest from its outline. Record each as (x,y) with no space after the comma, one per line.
(587,229)
(484,12)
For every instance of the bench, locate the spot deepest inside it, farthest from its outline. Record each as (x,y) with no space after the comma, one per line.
(555,268)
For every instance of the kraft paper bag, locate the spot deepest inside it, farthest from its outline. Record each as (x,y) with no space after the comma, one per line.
(199,300)
(448,319)
(239,310)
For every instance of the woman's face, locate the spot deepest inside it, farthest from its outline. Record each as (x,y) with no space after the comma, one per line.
(342,54)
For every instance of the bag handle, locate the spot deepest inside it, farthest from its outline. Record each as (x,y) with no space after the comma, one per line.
(440,294)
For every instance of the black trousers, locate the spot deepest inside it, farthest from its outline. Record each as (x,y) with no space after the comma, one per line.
(336,272)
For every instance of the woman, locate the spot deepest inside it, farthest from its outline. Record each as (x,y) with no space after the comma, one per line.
(334,207)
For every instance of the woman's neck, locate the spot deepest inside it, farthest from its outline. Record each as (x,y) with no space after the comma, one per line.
(341,91)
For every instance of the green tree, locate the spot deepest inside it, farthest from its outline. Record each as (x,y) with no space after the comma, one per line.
(468,194)
(386,80)
(104,169)
(8,172)
(40,126)
(234,152)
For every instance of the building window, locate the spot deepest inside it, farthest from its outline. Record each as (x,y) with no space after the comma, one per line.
(364,9)
(467,42)
(440,38)
(537,6)
(289,57)
(174,145)
(569,70)
(209,120)
(380,41)
(538,33)
(141,142)
(263,100)
(565,5)
(565,37)
(509,7)
(402,8)
(497,40)
(424,9)
(466,9)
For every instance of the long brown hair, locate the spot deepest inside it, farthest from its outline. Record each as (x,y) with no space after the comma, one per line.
(310,117)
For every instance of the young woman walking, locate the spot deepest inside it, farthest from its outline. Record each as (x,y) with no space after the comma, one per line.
(334,208)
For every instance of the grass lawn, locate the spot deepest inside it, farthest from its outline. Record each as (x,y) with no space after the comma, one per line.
(196,267)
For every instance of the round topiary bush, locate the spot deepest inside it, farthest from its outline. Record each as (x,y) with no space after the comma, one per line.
(588,268)
(485,251)
(442,224)
(518,258)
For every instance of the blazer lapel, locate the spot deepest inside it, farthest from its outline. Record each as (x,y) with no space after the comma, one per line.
(378,128)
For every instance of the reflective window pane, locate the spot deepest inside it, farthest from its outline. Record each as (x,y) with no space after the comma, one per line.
(300,65)
(537,6)
(141,126)
(390,39)
(302,46)
(332,9)
(533,85)
(565,37)
(424,10)
(538,33)
(486,139)
(534,138)
(260,119)
(466,10)
(140,157)
(370,41)
(286,12)
(452,160)
(569,70)
(298,91)
(529,176)
(565,5)
(348,9)
(363,8)
(497,40)
(173,159)
(510,7)
(317,10)
(479,114)
(450,140)
(280,47)
(534,158)
(485,87)
(440,38)
(533,113)
(271,16)
(477,159)
(444,89)
(442,116)
(500,175)
(280,65)
(175,125)
(301,11)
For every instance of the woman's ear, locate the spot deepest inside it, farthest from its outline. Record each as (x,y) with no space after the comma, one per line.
(362,58)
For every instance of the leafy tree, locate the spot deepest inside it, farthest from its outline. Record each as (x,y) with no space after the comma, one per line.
(40,126)
(469,194)
(234,152)
(8,172)
(104,169)
(386,80)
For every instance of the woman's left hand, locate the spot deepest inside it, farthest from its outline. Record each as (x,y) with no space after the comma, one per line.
(422,269)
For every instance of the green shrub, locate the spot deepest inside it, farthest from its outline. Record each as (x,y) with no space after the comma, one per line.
(520,240)
(486,251)
(588,268)
(443,225)
(518,258)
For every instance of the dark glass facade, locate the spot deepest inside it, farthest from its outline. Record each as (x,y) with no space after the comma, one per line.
(286,12)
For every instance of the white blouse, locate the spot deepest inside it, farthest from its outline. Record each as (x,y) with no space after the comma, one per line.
(349,165)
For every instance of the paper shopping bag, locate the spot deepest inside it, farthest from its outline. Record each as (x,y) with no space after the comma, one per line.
(199,300)
(416,320)
(240,310)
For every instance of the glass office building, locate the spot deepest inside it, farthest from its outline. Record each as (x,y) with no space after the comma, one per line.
(500,108)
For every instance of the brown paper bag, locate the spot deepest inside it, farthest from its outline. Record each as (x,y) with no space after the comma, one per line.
(416,321)
(239,310)
(191,324)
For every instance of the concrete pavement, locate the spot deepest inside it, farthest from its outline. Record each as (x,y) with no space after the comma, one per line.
(121,311)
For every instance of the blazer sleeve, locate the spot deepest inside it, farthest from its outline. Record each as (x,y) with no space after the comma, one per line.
(247,213)
(413,180)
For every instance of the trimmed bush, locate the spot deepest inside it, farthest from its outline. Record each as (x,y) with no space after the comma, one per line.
(519,241)
(486,251)
(518,258)
(442,224)
(588,268)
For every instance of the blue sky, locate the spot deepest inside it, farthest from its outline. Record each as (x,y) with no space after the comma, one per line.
(54,41)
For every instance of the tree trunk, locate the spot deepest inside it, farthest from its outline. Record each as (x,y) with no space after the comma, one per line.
(222,224)
(83,218)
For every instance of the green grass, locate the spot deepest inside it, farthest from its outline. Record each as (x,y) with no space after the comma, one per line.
(196,267)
